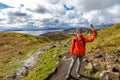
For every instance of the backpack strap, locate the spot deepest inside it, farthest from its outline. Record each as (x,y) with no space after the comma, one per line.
(83,40)
(74,41)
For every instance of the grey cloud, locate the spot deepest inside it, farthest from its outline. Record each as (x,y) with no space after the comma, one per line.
(52,9)
(54,1)
(2,19)
(88,5)
(18,17)
(17,14)
(40,9)
(53,21)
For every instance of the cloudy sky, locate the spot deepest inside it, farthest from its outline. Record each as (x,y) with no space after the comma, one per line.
(57,13)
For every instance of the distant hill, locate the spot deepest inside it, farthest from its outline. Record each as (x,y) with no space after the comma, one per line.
(62,27)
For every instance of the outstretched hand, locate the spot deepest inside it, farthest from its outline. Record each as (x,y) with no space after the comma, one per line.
(92,27)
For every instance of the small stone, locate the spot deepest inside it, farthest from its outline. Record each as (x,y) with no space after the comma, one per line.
(104,76)
(99,67)
(89,66)
(116,69)
(118,60)
(99,56)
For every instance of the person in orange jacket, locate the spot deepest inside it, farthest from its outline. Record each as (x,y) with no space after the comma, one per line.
(78,49)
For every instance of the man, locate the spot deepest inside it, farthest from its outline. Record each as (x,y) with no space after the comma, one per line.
(78,49)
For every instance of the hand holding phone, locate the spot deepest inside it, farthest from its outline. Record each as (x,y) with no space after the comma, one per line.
(92,27)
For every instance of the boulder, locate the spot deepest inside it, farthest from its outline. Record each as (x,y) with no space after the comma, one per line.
(113,76)
(118,60)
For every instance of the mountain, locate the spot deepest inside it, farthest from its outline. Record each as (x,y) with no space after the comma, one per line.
(63,27)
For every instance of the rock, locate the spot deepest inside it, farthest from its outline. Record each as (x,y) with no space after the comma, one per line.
(89,66)
(98,56)
(11,77)
(104,76)
(86,60)
(116,69)
(53,46)
(118,60)
(26,71)
(113,76)
(118,50)
(99,67)
(109,76)
(64,58)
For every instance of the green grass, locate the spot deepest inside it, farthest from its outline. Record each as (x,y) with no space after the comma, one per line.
(14,49)
(48,61)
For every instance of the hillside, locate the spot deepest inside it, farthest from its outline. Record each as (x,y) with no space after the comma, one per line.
(16,48)
(102,59)
(106,43)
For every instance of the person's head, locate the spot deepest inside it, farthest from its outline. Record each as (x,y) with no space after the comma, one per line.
(79,32)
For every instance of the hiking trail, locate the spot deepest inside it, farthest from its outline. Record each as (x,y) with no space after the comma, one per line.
(28,64)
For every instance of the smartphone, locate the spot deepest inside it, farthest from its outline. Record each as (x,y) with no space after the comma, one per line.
(91,25)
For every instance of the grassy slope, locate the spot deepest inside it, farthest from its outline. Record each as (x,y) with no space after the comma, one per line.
(108,39)
(48,61)
(14,48)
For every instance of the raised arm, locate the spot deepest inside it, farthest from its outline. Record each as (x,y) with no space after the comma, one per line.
(93,36)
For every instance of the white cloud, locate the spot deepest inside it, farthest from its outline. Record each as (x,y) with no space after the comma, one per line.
(108,15)
(115,10)
(89,5)
(52,12)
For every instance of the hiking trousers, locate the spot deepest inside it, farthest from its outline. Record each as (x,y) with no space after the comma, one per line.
(80,59)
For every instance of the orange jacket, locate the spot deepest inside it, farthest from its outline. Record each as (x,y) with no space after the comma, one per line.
(78,47)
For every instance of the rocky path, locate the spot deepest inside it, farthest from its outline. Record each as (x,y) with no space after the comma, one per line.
(105,66)
(28,64)
(61,71)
